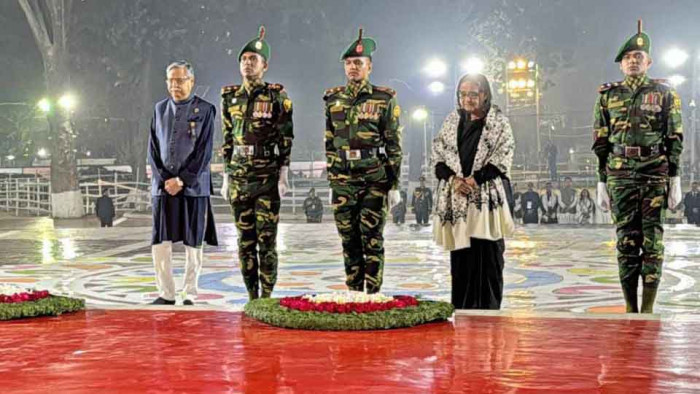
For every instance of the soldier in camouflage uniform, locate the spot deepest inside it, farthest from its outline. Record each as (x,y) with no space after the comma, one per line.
(363,154)
(638,141)
(258,133)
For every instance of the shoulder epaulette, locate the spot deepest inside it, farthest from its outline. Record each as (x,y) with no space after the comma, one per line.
(332,91)
(229,88)
(385,89)
(607,86)
(276,86)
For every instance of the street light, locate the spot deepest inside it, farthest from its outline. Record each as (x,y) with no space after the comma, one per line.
(436,87)
(675,57)
(676,80)
(420,114)
(67,102)
(44,105)
(435,68)
(473,65)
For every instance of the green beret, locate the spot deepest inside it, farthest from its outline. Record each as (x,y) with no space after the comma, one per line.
(638,42)
(362,47)
(257,45)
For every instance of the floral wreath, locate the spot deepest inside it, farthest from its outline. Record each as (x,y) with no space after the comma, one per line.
(347,311)
(17,302)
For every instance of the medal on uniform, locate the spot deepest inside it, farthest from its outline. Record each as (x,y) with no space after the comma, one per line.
(196,110)
(651,102)
(193,130)
(256,110)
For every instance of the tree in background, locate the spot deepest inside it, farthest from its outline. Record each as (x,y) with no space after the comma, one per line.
(50,21)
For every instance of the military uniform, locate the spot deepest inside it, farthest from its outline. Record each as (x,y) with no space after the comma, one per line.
(258,134)
(363,156)
(692,207)
(638,142)
(422,202)
(313,208)
(398,212)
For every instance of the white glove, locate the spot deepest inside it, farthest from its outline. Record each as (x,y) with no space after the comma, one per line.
(602,198)
(394,198)
(283,183)
(224,188)
(674,192)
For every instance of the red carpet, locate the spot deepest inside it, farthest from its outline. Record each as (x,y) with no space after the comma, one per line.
(127,351)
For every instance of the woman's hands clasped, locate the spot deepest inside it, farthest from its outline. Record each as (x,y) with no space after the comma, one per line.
(465,185)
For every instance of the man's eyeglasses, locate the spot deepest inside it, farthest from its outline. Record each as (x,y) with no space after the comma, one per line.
(471,94)
(177,81)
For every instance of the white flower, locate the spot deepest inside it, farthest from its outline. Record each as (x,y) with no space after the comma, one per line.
(347,297)
(8,289)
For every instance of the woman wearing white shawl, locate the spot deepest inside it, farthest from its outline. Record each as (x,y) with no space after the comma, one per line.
(472,155)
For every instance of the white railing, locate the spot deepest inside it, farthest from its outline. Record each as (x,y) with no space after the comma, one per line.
(25,196)
(127,196)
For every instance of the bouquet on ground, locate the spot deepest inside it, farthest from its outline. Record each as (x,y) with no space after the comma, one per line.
(14,294)
(348,311)
(18,302)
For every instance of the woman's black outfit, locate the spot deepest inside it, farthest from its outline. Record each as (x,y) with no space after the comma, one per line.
(477,271)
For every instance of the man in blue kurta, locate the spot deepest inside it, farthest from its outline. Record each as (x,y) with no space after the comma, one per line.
(180,151)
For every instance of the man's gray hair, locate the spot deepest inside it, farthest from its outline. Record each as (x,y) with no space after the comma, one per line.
(181,64)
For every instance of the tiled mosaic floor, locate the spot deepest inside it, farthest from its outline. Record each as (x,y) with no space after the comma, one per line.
(549,269)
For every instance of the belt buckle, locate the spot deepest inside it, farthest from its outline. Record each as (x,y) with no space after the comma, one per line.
(354,154)
(633,151)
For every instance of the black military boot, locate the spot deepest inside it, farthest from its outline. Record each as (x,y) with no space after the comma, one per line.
(648,298)
(629,290)
(253,295)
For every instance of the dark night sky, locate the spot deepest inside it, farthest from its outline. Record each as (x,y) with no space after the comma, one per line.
(408,33)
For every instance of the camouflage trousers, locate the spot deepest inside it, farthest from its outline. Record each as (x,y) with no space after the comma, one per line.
(256,218)
(360,216)
(638,209)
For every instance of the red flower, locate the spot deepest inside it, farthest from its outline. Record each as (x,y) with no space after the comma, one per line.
(304,305)
(23,297)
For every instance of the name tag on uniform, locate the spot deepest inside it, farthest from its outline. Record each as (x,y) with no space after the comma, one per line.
(615,104)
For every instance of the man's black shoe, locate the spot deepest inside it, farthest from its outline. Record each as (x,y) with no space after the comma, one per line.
(187,302)
(162,301)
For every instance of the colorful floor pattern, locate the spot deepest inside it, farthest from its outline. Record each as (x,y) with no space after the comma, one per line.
(190,351)
(548,269)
